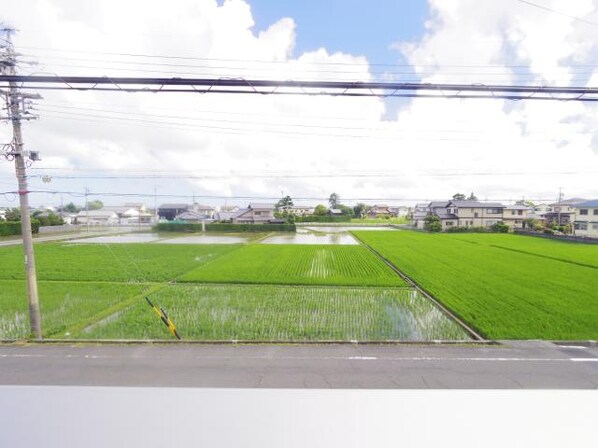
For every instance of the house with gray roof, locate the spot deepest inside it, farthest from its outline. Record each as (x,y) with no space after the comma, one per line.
(515,215)
(255,213)
(586,219)
(563,212)
(170,211)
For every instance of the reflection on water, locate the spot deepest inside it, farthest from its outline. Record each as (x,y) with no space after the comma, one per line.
(206,239)
(311,238)
(126,238)
(341,229)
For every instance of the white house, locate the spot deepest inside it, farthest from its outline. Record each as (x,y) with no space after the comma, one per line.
(97,217)
(586,219)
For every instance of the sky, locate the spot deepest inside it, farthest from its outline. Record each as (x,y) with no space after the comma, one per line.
(234,149)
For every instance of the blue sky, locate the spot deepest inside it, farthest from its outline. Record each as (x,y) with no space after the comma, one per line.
(358,27)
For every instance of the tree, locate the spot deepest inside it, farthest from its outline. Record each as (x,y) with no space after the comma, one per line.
(320,210)
(334,200)
(525,203)
(71,208)
(472,197)
(13,214)
(361,209)
(459,197)
(347,211)
(284,204)
(432,223)
(95,205)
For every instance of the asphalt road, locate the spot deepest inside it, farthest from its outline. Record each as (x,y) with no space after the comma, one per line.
(511,365)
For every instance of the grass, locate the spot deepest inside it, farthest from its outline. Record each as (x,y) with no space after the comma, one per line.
(297,265)
(506,286)
(110,262)
(283,313)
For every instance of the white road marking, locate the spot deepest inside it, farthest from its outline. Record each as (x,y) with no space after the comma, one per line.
(580,347)
(321,358)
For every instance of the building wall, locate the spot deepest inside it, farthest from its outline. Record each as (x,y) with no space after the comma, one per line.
(586,225)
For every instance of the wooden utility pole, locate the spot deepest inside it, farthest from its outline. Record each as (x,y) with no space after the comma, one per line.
(15,108)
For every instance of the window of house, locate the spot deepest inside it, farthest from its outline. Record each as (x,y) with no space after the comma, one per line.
(581,226)
(595,211)
(583,211)
(449,223)
(475,215)
(520,212)
(494,211)
(513,212)
(595,226)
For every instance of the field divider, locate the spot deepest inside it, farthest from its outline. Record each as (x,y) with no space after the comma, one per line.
(107,312)
(125,304)
(548,257)
(473,333)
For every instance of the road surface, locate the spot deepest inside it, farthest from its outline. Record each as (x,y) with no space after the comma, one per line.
(511,365)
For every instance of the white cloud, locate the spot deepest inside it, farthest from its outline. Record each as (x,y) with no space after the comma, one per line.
(236,134)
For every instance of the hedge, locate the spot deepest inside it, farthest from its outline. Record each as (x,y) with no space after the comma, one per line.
(323,218)
(14,227)
(224,227)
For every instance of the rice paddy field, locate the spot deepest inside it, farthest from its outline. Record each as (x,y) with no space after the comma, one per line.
(505,286)
(249,292)
(297,265)
(284,313)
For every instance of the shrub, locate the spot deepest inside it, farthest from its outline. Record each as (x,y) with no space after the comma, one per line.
(14,227)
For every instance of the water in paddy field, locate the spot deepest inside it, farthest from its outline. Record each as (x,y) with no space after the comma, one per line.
(342,229)
(126,238)
(311,238)
(206,239)
(320,235)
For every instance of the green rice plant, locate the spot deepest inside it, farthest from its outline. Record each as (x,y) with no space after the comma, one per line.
(506,286)
(62,305)
(298,265)
(110,262)
(283,313)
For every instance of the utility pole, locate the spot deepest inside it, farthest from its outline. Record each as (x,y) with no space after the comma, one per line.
(16,108)
(559,206)
(87,209)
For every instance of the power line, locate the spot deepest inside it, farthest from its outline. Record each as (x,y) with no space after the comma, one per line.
(545,8)
(278,62)
(315,175)
(255,198)
(313,88)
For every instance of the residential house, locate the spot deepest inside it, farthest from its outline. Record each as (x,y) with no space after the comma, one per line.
(400,210)
(380,211)
(420,211)
(302,210)
(225,216)
(229,208)
(335,212)
(586,219)
(170,211)
(471,214)
(563,212)
(538,212)
(255,213)
(130,214)
(97,217)
(193,217)
(203,210)
(515,215)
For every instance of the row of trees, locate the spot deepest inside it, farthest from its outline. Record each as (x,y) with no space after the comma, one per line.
(50,219)
(284,207)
